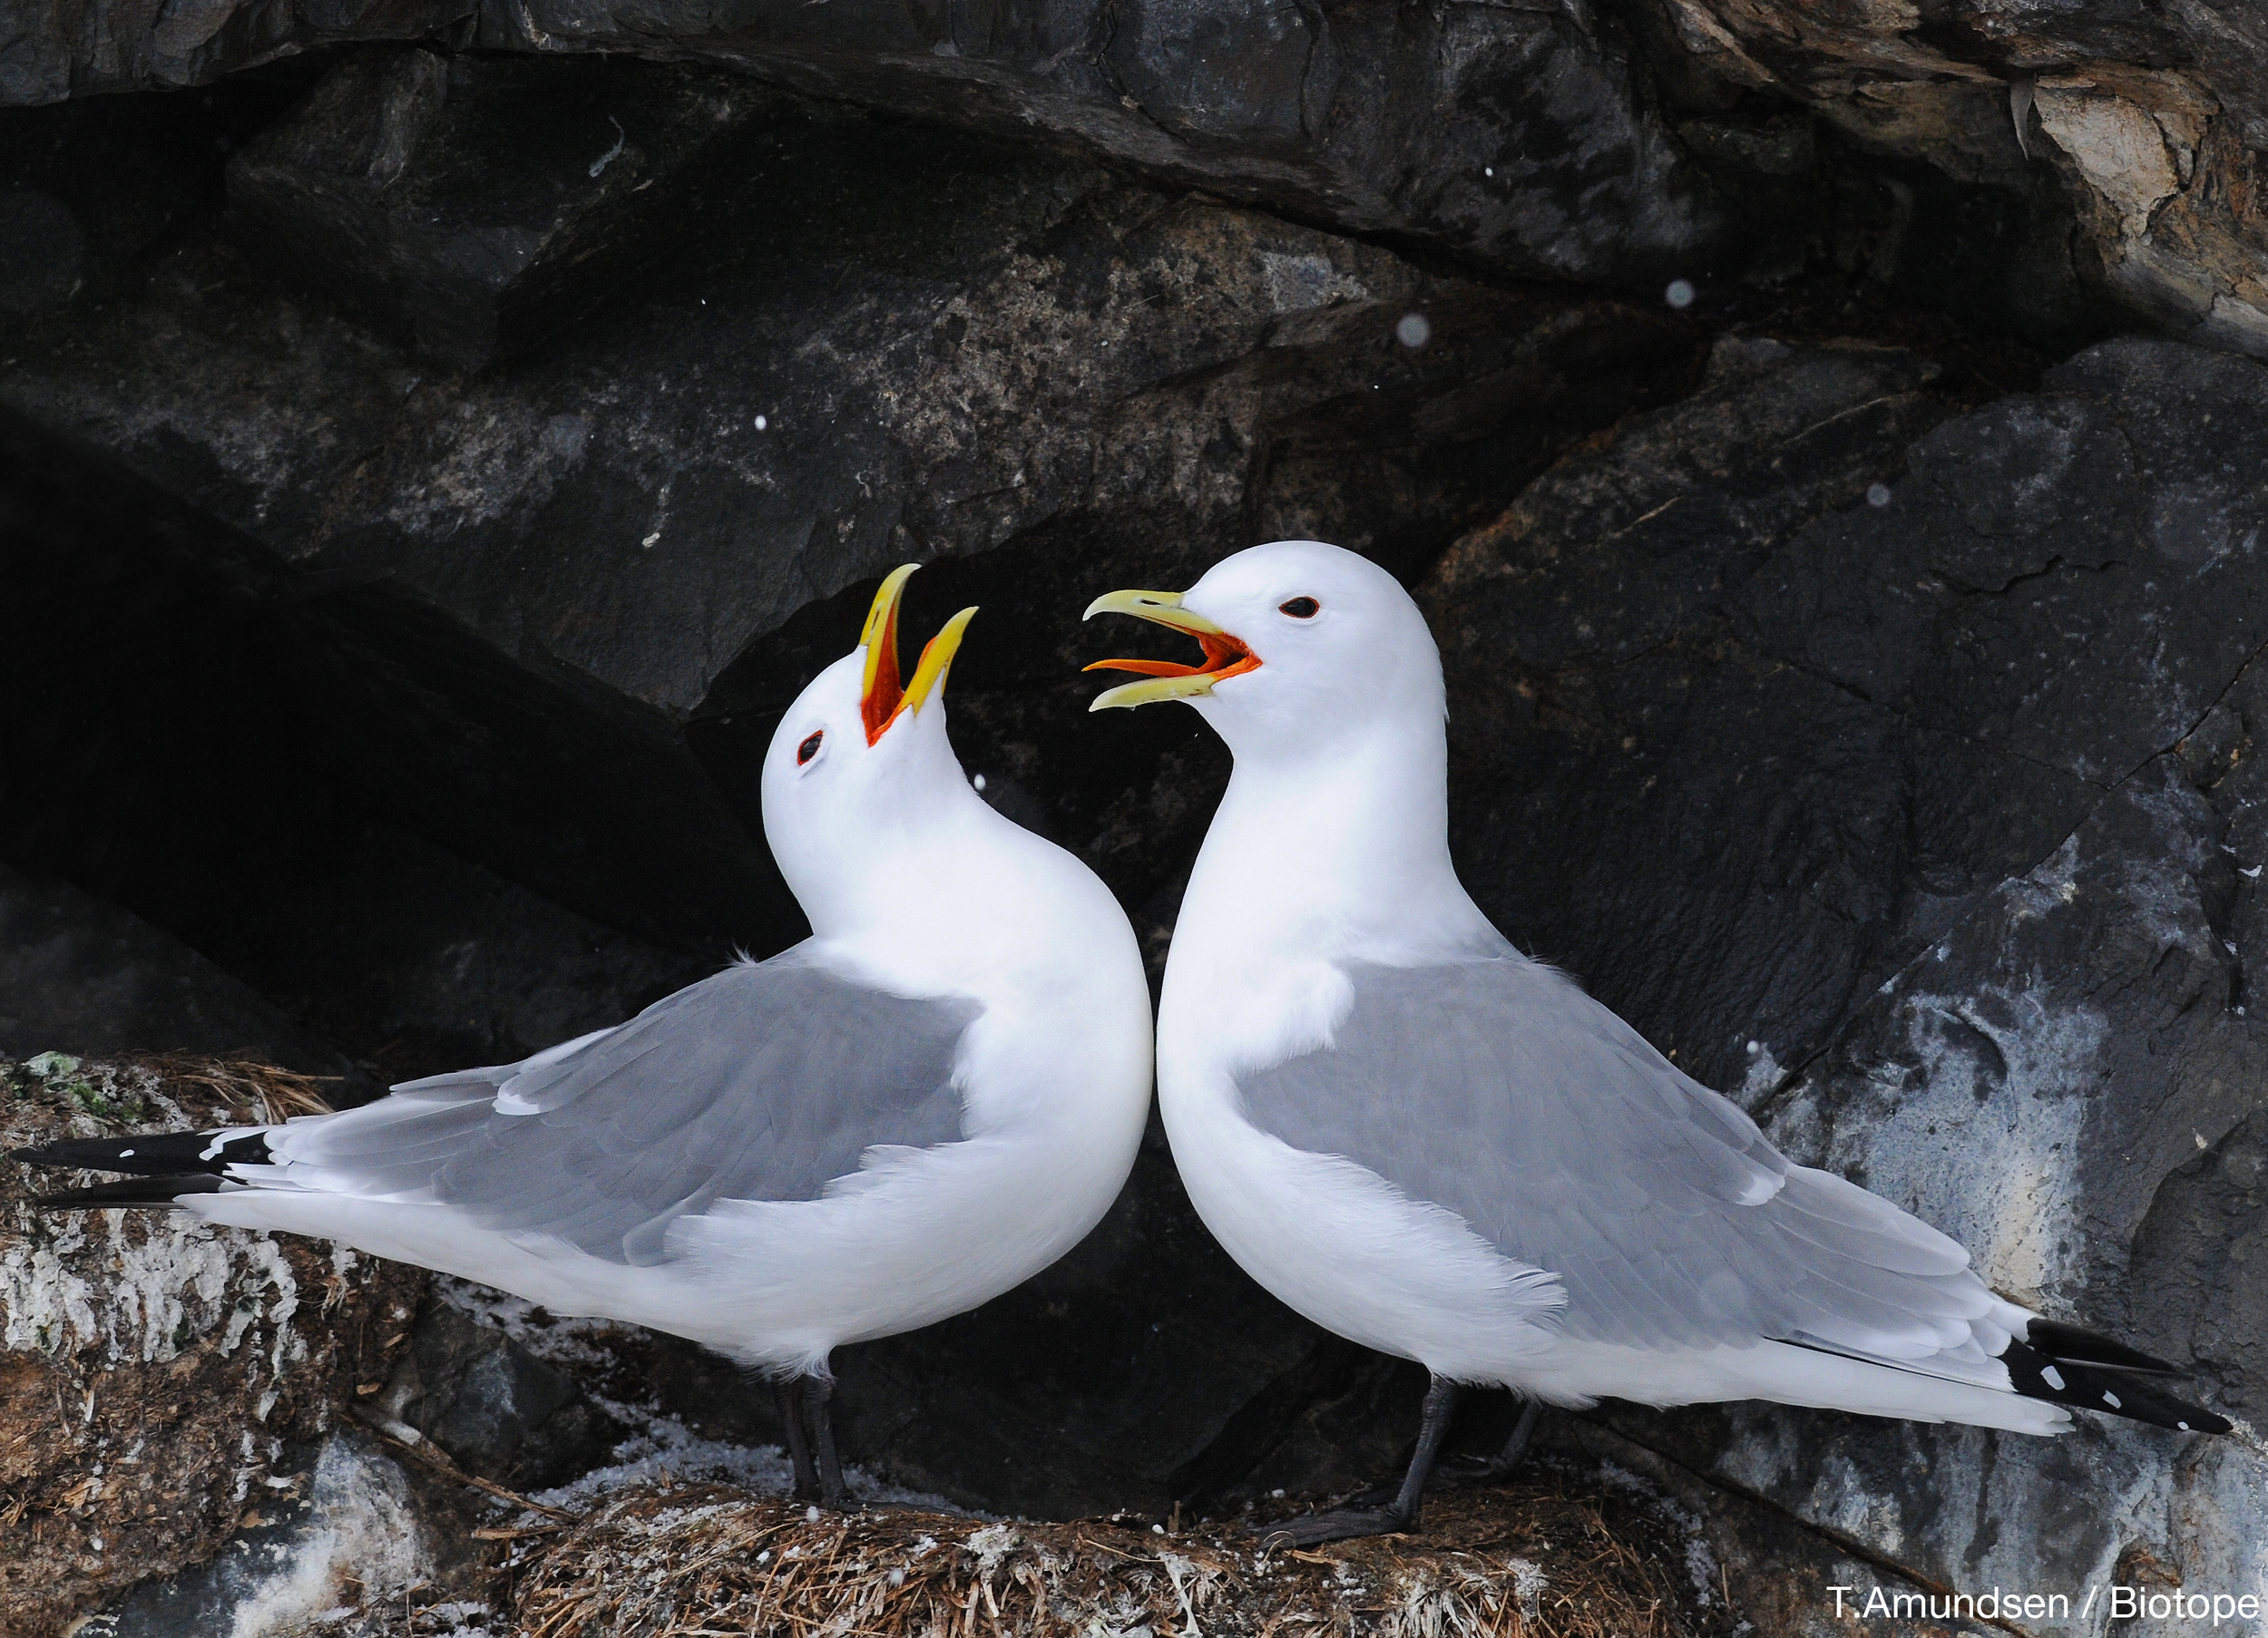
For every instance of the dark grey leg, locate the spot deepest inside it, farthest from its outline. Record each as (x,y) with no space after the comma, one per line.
(1402,1513)
(1441,1406)
(792,1418)
(819,1401)
(1464,1470)
(1515,1449)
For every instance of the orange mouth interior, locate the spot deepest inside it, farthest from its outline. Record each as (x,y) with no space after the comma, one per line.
(1225,655)
(882,702)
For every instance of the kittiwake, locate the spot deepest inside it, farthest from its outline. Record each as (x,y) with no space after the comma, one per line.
(930,1099)
(1427,1142)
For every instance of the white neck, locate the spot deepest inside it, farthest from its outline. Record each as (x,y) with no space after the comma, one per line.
(1341,849)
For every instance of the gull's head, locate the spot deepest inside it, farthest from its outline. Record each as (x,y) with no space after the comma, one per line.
(1306,647)
(860,767)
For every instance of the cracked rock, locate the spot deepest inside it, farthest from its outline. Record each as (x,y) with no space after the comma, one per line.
(1518,138)
(472,210)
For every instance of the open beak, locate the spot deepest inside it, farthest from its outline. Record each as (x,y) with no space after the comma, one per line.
(882,699)
(1225,655)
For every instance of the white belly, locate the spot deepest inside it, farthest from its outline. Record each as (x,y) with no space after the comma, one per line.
(915,1236)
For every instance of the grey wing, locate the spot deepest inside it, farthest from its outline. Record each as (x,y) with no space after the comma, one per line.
(765,1082)
(1499,1090)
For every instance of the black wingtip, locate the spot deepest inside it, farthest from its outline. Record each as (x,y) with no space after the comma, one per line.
(151,1153)
(2078,1345)
(2113,1391)
(132,1191)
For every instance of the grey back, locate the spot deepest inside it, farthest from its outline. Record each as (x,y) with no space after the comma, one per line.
(765,1082)
(1496,1087)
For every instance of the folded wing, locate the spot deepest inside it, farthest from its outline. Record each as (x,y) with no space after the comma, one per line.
(765,1082)
(1496,1087)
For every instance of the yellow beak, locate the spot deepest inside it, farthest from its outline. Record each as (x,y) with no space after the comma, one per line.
(881,698)
(1225,654)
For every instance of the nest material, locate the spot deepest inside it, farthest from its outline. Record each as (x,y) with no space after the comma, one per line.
(1548,1555)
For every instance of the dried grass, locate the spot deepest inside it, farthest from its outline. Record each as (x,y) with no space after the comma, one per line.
(263,1092)
(1554,1556)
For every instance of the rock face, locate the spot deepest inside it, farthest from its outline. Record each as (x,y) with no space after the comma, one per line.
(1975,897)
(366,188)
(496,1408)
(1010,350)
(1626,142)
(2154,120)
(164,1384)
(1516,137)
(76,970)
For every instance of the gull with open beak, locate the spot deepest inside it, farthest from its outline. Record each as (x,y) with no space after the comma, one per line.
(1426,1142)
(929,1100)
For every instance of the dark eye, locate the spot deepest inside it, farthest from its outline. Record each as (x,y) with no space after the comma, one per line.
(809,747)
(1300,608)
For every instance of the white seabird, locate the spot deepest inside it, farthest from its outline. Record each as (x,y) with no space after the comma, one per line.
(1428,1143)
(930,1099)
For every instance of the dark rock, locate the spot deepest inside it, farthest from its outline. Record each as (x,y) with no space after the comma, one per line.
(1525,142)
(160,711)
(509,590)
(1607,716)
(175,681)
(469,210)
(1516,138)
(417,961)
(2150,123)
(83,977)
(2004,591)
(495,1407)
(42,251)
(2194,1258)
